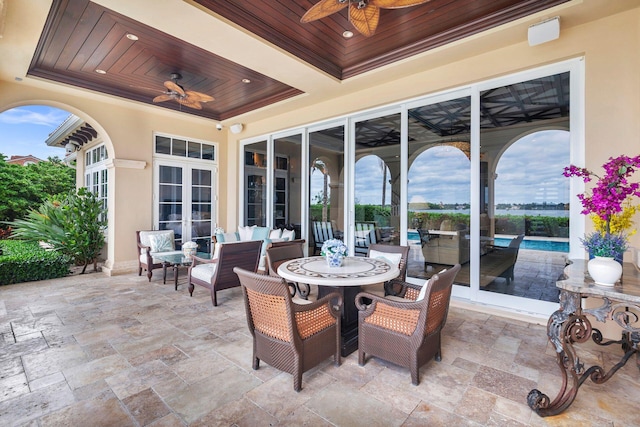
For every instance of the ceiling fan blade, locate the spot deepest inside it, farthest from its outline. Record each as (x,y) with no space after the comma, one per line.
(365,20)
(197,96)
(162,98)
(396,4)
(174,87)
(189,103)
(323,8)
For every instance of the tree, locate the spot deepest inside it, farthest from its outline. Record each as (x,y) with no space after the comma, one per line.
(23,188)
(71,225)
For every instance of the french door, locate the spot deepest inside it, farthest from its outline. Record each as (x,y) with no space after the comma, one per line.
(185,195)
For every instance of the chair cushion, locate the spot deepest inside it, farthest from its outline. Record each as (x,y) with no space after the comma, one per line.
(227,237)
(246,232)
(387,256)
(423,291)
(288,234)
(275,234)
(161,242)
(204,272)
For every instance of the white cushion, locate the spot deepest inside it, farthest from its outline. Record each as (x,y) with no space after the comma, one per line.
(390,257)
(288,234)
(143,257)
(145,238)
(204,272)
(245,233)
(423,291)
(275,234)
(227,237)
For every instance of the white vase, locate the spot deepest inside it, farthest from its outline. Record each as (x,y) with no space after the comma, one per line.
(334,260)
(604,270)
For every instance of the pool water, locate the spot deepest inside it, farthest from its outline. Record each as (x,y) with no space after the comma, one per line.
(539,245)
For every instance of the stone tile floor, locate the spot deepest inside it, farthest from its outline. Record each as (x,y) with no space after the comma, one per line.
(91,350)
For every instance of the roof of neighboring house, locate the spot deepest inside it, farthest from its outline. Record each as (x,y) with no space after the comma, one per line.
(24,160)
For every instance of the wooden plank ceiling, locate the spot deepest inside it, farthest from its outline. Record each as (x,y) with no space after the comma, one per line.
(81,37)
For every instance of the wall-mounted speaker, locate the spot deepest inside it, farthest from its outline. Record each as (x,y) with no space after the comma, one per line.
(236,128)
(544,31)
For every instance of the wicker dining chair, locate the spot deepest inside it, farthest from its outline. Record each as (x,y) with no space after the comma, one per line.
(406,333)
(288,336)
(397,255)
(278,253)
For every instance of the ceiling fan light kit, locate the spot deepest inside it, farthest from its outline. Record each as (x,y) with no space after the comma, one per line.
(364,15)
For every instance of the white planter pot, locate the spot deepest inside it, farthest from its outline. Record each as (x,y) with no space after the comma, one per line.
(604,271)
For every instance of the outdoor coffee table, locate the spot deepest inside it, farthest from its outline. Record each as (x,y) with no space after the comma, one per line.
(346,280)
(175,261)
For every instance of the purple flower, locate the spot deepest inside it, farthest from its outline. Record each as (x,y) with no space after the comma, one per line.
(611,189)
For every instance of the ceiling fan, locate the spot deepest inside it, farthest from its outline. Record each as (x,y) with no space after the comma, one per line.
(175,92)
(363,14)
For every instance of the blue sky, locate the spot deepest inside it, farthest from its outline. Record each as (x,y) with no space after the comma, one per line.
(530,170)
(23,131)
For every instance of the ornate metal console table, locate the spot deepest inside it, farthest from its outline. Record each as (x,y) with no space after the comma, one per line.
(570,325)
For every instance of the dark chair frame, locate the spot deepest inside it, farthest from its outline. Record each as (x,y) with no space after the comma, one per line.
(288,336)
(394,286)
(415,339)
(245,255)
(280,252)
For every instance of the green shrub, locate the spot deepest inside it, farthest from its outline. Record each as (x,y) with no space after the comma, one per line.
(23,261)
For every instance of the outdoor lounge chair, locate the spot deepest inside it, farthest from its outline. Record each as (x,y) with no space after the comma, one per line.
(288,336)
(217,274)
(406,333)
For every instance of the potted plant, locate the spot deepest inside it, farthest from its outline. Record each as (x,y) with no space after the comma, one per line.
(334,251)
(611,209)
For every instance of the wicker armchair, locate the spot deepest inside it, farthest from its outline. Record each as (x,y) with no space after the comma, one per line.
(405,333)
(398,254)
(217,274)
(290,337)
(278,253)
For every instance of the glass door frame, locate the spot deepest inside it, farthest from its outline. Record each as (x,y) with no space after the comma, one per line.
(187,165)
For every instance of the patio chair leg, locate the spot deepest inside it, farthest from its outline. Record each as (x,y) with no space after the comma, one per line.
(149,274)
(214,298)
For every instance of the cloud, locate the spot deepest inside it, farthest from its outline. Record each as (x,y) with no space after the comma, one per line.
(41,116)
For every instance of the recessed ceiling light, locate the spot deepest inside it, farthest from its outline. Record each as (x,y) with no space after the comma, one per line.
(101,71)
(347,34)
(132,37)
(246,81)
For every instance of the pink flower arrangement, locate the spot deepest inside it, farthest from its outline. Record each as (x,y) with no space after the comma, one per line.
(611,190)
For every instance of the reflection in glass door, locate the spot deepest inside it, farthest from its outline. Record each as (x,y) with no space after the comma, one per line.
(439,188)
(326,186)
(524,217)
(185,202)
(287,198)
(377,182)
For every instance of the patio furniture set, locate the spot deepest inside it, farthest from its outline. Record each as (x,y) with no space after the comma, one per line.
(396,321)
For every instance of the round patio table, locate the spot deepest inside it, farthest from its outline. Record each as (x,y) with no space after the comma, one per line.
(346,280)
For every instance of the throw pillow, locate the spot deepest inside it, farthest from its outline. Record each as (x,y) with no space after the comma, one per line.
(288,234)
(390,257)
(275,234)
(161,242)
(260,233)
(245,233)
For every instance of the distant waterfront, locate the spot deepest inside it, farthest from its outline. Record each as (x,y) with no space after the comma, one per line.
(516,212)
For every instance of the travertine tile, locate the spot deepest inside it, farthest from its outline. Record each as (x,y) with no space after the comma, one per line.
(124,351)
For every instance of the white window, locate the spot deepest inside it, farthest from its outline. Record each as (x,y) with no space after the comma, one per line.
(95,178)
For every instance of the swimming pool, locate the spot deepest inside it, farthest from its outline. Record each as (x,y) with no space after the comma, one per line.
(539,245)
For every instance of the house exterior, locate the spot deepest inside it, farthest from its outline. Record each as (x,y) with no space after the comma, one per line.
(602,48)
(24,160)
